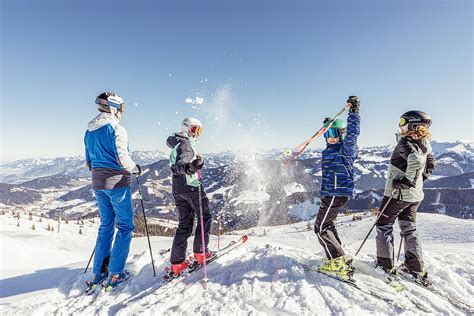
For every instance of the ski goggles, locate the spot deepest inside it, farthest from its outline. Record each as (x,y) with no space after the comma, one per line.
(332,132)
(403,121)
(118,106)
(195,130)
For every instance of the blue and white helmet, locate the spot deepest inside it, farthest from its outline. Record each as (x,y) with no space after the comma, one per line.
(109,102)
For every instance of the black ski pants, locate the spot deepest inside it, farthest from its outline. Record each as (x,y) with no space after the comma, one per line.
(406,214)
(324,225)
(188,207)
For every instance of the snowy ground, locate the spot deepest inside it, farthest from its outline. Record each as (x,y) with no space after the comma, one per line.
(42,272)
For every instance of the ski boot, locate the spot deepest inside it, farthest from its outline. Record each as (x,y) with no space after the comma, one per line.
(175,270)
(339,267)
(394,279)
(93,285)
(419,277)
(115,280)
(198,259)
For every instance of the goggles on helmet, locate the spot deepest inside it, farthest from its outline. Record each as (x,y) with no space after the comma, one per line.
(332,132)
(403,121)
(118,106)
(195,130)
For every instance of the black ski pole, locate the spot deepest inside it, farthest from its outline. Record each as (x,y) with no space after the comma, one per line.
(372,228)
(90,259)
(146,226)
(399,249)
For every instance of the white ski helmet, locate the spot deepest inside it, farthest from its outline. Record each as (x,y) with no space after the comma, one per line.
(109,102)
(191,127)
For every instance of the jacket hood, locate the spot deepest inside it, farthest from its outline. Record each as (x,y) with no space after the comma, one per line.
(423,144)
(175,139)
(102,119)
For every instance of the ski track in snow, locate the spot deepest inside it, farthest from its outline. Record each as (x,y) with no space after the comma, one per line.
(263,277)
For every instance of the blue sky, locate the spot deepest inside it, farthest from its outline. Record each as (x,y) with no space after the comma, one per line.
(268,71)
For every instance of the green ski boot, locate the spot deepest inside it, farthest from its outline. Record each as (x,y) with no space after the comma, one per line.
(338,267)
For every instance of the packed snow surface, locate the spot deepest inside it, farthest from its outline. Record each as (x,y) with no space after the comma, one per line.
(42,272)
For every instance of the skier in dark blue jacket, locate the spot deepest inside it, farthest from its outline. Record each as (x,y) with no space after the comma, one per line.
(337,186)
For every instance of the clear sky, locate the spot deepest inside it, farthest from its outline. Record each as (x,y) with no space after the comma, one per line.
(268,71)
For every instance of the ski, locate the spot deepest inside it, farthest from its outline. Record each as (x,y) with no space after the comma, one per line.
(362,288)
(302,147)
(163,286)
(456,302)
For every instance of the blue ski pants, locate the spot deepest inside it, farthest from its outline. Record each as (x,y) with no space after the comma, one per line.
(113,204)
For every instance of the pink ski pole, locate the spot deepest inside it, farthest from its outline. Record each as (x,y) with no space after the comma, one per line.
(202,228)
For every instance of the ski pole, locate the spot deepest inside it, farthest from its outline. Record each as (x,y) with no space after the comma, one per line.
(400,249)
(372,228)
(218,231)
(320,132)
(146,226)
(90,259)
(202,228)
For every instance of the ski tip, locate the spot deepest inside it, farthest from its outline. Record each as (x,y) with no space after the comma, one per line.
(245,238)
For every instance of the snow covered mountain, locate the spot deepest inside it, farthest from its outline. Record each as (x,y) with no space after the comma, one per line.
(252,189)
(27,169)
(43,273)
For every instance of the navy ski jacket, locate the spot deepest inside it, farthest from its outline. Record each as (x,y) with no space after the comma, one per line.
(338,162)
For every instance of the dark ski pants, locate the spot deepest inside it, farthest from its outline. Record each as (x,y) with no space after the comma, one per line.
(188,207)
(406,214)
(324,225)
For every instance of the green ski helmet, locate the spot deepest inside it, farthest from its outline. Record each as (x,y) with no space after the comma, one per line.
(337,129)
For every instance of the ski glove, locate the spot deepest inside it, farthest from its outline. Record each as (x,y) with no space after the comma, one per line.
(430,166)
(194,165)
(402,183)
(137,171)
(355,103)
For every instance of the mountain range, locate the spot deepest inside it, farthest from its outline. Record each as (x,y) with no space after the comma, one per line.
(244,189)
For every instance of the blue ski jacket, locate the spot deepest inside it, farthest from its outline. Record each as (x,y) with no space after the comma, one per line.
(338,162)
(107,153)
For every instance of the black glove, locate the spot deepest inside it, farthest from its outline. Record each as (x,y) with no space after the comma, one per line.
(194,165)
(355,103)
(137,171)
(402,183)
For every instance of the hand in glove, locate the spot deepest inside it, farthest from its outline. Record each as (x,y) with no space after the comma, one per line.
(354,101)
(194,165)
(402,183)
(137,171)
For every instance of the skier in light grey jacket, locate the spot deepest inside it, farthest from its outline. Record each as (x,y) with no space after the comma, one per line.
(411,164)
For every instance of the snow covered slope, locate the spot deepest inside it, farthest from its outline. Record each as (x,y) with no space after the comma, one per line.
(42,272)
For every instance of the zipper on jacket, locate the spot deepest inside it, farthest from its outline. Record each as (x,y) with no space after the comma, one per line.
(335,181)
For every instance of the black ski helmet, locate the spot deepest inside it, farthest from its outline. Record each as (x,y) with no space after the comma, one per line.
(415,119)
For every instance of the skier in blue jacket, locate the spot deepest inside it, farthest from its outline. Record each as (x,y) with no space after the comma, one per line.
(337,186)
(108,157)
